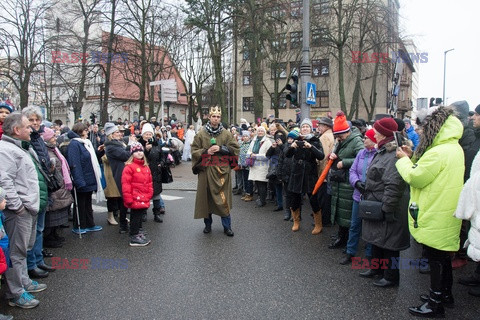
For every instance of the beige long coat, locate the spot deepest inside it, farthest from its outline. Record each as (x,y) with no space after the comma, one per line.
(214,189)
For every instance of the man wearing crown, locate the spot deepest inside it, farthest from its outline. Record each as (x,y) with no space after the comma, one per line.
(214,153)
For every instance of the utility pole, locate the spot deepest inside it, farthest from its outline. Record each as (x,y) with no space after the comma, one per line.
(445,72)
(305,67)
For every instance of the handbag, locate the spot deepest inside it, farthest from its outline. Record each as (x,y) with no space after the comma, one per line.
(370,210)
(250,162)
(167,175)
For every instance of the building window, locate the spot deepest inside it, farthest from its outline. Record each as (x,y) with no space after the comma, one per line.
(279,70)
(319,37)
(279,43)
(247,104)
(282,102)
(294,68)
(320,68)
(246,55)
(278,12)
(322,100)
(295,40)
(247,78)
(296,7)
(321,6)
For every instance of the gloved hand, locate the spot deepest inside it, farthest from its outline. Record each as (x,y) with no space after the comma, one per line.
(360,186)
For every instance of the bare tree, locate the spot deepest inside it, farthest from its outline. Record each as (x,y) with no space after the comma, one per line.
(21,36)
(214,17)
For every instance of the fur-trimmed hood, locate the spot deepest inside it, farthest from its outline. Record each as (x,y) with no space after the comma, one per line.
(440,127)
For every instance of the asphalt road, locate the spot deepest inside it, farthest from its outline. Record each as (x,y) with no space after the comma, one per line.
(264,272)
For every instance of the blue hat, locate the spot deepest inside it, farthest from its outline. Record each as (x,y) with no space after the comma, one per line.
(6,106)
(293,134)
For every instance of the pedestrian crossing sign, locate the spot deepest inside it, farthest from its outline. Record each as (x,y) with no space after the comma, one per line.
(311,93)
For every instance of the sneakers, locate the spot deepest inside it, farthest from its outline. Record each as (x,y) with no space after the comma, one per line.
(79,231)
(94,229)
(139,241)
(25,301)
(36,287)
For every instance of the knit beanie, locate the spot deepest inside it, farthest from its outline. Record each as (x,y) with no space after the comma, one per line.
(147,127)
(136,146)
(110,128)
(370,134)
(386,126)
(2,194)
(477,109)
(47,134)
(293,134)
(340,124)
(306,121)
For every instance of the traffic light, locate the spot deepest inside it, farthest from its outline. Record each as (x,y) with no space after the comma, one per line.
(92,118)
(293,88)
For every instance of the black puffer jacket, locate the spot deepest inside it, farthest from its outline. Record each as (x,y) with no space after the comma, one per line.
(156,161)
(470,152)
(303,175)
(117,154)
(41,149)
(274,154)
(285,164)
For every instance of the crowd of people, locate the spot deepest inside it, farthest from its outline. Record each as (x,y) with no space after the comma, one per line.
(381,182)
(49,167)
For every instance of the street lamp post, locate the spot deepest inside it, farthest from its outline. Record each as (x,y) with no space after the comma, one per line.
(445,71)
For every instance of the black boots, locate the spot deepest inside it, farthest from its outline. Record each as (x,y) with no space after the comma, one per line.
(156,215)
(447,298)
(341,240)
(431,309)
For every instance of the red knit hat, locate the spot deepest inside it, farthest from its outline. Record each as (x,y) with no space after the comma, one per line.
(386,126)
(340,124)
(370,134)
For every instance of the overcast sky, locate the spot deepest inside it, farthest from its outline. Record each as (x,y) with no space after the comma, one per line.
(440,25)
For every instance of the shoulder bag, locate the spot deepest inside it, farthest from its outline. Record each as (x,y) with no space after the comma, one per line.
(370,210)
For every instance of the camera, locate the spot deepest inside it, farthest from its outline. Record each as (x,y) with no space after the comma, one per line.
(150,141)
(300,143)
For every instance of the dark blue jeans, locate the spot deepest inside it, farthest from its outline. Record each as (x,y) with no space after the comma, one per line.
(159,203)
(355,232)
(279,194)
(247,184)
(226,221)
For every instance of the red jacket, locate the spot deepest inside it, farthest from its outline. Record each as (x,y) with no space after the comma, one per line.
(3,262)
(137,186)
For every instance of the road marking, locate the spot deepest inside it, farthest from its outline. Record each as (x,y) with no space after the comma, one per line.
(169,198)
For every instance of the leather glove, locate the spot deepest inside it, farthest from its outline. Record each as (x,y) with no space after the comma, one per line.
(360,186)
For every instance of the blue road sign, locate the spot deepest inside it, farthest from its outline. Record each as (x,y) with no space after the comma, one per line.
(311,93)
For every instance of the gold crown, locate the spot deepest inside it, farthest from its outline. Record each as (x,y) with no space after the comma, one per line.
(216,110)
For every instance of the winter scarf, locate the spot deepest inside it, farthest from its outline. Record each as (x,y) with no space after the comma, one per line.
(213,132)
(65,169)
(256,145)
(96,167)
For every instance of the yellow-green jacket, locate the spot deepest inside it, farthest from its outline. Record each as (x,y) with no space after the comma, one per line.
(436,181)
